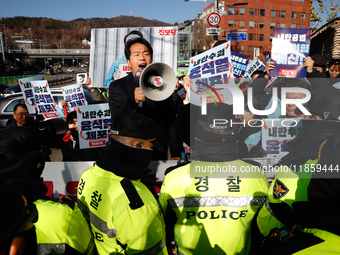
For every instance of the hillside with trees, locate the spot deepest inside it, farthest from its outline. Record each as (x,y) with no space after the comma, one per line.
(51,33)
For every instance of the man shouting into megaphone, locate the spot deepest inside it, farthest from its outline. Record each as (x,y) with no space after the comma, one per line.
(125,95)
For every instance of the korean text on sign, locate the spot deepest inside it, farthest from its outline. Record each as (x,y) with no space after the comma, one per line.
(94,122)
(45,103)
(239,63)
(289,49)
(74,95)
(275,135)
(27,91)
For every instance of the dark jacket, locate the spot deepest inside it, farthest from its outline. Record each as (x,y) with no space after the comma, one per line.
(121,99)
(71,151)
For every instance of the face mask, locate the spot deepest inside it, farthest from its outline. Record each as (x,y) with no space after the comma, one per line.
(138,157)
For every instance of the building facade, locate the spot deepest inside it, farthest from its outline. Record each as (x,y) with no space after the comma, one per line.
(258,18)
(326,40)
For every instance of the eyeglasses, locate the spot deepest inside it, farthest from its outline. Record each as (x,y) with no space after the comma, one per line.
(20,114)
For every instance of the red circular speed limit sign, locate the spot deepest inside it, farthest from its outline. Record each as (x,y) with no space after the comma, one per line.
(214,19)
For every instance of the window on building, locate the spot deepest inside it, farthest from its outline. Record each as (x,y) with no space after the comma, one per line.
(242,11)
(251,11)
(273,13)
(261,24)
(294,15)
(282,25)
(242,24)
(262,12)
(303,26)
(261,37)
(251,24)
(250,49)
(292,25)
(241,47)
(283,14)
(272,25)
(230,23)
(251,37)
(303,15)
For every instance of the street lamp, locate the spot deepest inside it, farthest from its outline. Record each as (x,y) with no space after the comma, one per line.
(5,33)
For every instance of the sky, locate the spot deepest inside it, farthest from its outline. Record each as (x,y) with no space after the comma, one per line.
(169,11)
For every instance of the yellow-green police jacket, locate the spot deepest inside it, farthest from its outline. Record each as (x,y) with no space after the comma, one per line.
(116,226)
(62,229)
(213,214)
(291,186)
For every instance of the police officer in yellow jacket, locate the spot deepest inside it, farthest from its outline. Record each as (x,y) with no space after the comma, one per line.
(61,227)
(209,204)
(123,213)
(300,215)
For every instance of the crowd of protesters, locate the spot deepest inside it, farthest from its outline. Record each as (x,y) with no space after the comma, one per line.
(230,214)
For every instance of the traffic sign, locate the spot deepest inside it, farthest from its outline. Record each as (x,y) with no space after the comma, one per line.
(237,37)
(214,19)
(213,31)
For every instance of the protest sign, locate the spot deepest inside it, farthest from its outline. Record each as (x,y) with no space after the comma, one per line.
(74,96)
(277,132)
(107,57)
(239,63)
(93,125)
(44,100)
(27,91)
(290,46)
(255,64)
(208,71)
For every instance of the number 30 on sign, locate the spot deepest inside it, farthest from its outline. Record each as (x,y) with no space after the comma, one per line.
(214,19)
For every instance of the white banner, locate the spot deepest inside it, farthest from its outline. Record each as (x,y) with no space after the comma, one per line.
(74,96)
(107,47)
(208,71)
(255,64)
(93,125)
(27,91)
(44,100)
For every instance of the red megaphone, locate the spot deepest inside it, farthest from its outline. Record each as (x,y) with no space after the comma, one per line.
(66,138)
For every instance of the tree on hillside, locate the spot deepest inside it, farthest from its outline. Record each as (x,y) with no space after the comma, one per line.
(323,9)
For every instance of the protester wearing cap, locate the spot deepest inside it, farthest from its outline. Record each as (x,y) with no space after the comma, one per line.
(61,227)
(125,96)
(303,203)
(124,215)
(211,212)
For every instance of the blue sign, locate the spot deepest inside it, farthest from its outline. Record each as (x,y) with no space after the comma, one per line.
(239,63)
(237,37)
(290,46)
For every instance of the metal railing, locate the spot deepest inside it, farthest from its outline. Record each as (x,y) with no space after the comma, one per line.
(54,51)
(14,80)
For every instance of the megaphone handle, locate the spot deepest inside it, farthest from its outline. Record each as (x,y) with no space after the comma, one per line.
(140,104)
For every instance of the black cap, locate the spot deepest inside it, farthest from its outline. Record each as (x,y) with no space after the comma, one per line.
(325,103)
(131,124)
(206,131)
(20,155)
(320,60)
